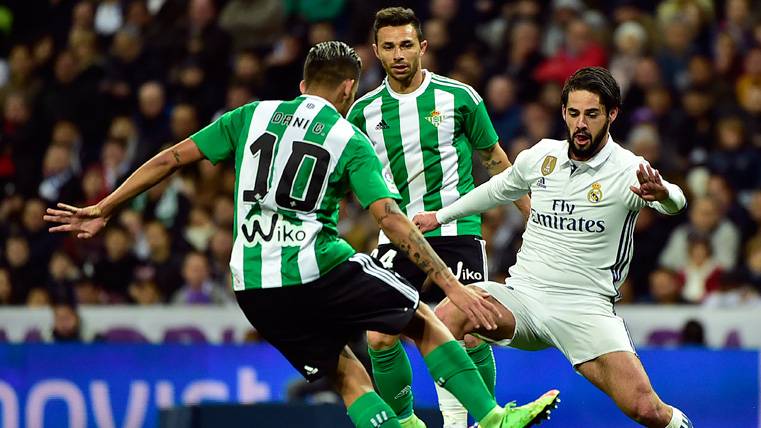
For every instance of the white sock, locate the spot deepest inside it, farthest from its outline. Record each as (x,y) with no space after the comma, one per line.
(454,414)
(678,419)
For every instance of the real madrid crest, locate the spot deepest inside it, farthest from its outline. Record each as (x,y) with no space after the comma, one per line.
(595,193)
(549,165)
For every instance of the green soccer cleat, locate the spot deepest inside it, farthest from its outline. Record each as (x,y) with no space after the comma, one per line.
(412,422)
(532,413)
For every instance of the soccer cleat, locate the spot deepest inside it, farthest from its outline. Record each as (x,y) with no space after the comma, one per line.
(532,413)
(412,422)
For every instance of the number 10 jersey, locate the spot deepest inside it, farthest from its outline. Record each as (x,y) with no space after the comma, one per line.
(294,162)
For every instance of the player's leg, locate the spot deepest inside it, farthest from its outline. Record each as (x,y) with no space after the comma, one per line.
(393,374)
(466,256)
(460,325)
(366,409)
(391,366)
(451,368)
(622,377)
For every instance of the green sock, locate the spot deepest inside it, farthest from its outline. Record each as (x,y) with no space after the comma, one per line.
(483,357)
(451,368)
(393,378)
(369,411)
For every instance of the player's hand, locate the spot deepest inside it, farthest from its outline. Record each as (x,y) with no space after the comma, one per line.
(426,221)
(85,222)
(474,303)
(651,186)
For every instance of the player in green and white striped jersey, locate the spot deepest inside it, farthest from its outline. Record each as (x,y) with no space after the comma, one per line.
(424,128)
(297,281)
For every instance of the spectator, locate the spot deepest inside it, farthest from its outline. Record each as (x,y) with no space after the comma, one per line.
(702,273)
(664,287)
(38,297)
(252,23)
(733,158)
(693,334)
(67,326)
(162,265)
(199,229)
(705,220)
(128,66)
(20,148)
(220,249)
(145,293)
(580,50)
(198,288)
(62,275)
(113,273)
(24,275)
(152,120)
(630,39)
(734,292)
(41,243)
(58,177)
(504,111)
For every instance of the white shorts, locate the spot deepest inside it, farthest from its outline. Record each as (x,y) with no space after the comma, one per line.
(581,327)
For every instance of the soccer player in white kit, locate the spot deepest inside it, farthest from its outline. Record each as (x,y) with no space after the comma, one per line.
(586,193)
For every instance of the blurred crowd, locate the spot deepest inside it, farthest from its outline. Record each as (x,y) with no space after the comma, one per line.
(91,89)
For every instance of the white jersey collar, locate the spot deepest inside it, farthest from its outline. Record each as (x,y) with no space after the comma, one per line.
(420,89)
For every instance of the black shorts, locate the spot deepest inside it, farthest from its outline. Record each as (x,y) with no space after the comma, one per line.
(465,255)
(311,323)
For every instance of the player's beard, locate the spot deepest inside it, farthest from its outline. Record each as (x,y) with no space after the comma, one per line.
(406,78)
(584,153)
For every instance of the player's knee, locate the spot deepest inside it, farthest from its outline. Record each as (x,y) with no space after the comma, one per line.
(472,341)
(377,341)
(451,316)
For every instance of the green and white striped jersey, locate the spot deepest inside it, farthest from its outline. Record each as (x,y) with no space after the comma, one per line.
(294,162)
(426,139)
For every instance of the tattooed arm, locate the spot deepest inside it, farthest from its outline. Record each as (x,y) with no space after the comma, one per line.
(405,236)
(87,221)
(495,160)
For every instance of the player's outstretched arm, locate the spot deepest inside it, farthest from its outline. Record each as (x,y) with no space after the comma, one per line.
(88,221)
(652,188)
(408,238)
(495,160)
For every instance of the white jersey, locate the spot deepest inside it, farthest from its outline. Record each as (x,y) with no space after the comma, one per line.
(579,238)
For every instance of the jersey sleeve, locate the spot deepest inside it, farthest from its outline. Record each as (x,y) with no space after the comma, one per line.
(509,185)
(479,129)
(367,178)
(218,139)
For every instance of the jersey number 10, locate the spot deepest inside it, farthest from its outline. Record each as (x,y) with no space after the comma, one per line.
(307,163)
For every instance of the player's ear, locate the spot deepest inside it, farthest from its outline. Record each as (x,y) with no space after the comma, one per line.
(423,47)
(347,88)
(613,114)
(562,112)
(303,86)
(375,50)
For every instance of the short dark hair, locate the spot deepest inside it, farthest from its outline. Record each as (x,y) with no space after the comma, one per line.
(596,80)
(396,17)
(330,63)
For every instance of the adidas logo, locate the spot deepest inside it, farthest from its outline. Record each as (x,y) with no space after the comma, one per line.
(310,370)
(405,391)
(381,125)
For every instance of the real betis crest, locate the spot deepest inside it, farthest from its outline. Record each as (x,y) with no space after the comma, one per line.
(434,118)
